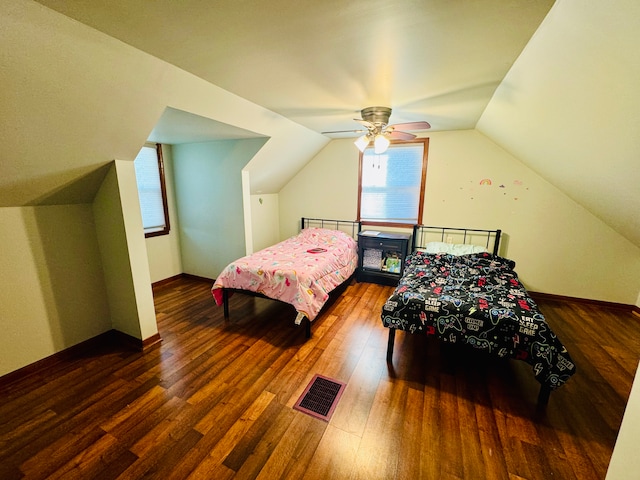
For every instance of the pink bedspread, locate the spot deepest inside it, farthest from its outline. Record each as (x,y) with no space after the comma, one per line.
(291,273)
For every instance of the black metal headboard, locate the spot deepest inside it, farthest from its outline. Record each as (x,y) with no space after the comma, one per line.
(346,226)
(423,234)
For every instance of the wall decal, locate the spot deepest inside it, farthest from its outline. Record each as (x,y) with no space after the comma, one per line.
(485,181)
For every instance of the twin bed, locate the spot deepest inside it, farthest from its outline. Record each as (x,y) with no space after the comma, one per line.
(301,270)
(454,286)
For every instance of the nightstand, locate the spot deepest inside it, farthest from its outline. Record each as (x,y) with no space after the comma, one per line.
(381,256)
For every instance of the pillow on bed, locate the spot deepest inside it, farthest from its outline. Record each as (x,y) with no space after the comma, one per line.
(325,236)
(452,248)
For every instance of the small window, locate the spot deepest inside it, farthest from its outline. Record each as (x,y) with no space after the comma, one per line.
(391,184)
(151,190)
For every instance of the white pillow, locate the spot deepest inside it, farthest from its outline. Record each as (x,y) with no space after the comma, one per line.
(452,248)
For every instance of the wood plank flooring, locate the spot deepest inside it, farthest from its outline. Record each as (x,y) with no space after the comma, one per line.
(214,400)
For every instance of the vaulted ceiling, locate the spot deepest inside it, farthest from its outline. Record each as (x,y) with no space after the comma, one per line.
(320,63)
(554,84)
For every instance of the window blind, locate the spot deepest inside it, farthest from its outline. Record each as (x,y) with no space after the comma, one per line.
(391,184)
(149,189)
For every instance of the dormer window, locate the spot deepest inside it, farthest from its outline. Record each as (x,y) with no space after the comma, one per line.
(151,190)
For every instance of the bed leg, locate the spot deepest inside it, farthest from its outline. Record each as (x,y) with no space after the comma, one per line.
(543,396)
(307,327)
(390,342)
(225,302)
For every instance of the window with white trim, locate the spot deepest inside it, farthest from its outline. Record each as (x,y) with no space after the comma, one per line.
(151,190)
(391,184)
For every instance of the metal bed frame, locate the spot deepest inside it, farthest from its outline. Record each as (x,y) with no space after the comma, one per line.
(423,234)
(347,226)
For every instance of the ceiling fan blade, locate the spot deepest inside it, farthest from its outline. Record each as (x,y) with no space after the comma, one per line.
(345,131)
(367,124)
(411,126)
(397,135)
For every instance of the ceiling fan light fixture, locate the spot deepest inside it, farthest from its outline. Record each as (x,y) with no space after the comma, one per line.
(362,142)
(376,121)
(380,144)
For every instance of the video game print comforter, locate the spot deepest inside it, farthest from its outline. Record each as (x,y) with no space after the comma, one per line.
(301,270)
(477,300)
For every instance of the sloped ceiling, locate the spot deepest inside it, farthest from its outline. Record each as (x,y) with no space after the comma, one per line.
(564,103)
(570,108)
(320,63)
(74,99)
(176,127)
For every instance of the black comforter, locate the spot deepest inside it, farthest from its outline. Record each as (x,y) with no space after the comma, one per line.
(477,300)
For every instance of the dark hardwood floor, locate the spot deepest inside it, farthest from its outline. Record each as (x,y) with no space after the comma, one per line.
(214,400)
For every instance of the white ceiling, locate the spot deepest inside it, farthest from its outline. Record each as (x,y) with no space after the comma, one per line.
(320,63)
(176,126)
(555,84)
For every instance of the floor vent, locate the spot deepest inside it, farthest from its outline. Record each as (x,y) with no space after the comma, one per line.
(320,397)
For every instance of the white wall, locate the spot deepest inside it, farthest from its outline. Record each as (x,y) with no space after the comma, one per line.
(625,461)
(265,220)
(559,247)
(53,294)
(327,187)
(163,251)
(123,251)
(209,199)
(570,107)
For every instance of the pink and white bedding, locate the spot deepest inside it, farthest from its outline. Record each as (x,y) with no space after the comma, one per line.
(301,270)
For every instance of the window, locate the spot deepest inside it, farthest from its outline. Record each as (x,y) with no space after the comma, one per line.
(391,185)
(151,190)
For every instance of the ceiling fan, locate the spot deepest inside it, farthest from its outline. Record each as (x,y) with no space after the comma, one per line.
(376,121)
